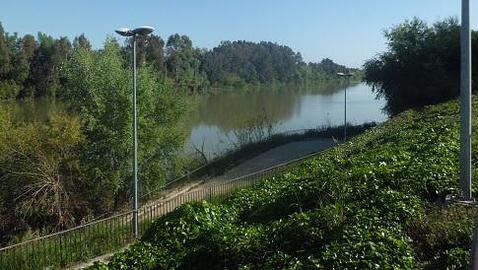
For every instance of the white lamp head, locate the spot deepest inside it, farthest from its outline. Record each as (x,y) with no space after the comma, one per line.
(125,32)
(143,30)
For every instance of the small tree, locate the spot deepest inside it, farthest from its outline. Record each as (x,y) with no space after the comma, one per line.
(421,65)
(98,86)
(40,170)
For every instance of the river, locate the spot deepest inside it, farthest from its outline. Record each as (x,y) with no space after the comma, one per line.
(215,119)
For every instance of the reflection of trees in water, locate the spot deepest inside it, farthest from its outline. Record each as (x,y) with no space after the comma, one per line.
(230,110)
(37,110)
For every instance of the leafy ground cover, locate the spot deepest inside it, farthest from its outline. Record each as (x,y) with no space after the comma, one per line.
(376,202)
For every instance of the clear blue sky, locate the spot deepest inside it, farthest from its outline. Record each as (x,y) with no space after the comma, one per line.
(348,31)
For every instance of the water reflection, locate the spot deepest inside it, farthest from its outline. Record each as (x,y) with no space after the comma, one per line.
(230,110)
(35,110)
(216,117)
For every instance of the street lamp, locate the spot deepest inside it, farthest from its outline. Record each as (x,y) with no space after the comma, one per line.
(465,99)
(125,32)
(347,79)
(465,121)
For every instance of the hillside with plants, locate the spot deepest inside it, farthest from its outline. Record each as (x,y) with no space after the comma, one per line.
(375,202)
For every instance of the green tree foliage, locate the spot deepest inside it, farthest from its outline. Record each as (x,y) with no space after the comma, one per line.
(45,65)
(241,62)
(76,164)
(8,86)
(150,50)
(40,173)
(26,52)
(421,65)
(183,63)
(30,67)
(324,72)
(81,42)
(98,87)
(251,62)
(4,53)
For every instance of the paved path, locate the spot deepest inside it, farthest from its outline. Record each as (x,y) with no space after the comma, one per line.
(275,156)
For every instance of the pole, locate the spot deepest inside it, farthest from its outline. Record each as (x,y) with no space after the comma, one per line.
(135,147)
(465,114)
(345,108)
(465,96)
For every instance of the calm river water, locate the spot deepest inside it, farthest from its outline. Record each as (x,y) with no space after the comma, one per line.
(216,117)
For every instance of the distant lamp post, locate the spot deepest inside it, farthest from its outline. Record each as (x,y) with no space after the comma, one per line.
(346,76)
(125,32)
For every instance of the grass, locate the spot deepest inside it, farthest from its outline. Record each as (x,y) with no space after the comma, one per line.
(375,202)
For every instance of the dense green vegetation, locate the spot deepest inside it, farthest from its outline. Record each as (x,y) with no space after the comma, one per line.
(375,202)
(76,164)
(421,65)
(31,67)
(242,63)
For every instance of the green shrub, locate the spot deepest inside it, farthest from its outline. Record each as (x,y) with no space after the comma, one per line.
(306,231)
(441,233)
(281,260)
(143,256)
(457,258)
(187,222)
(368,246)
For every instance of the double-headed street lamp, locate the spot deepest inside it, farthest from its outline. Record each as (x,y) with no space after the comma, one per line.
(347,80)
(125,32)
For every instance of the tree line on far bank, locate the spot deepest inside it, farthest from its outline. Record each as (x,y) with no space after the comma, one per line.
(421,65)
(30,66)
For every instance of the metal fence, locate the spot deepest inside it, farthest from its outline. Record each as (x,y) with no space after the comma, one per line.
(100,237)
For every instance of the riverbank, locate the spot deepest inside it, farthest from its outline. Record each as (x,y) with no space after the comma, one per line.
(331,82)
(374,202)
(236,156)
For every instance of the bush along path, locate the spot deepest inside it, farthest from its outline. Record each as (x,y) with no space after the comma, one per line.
(376,202)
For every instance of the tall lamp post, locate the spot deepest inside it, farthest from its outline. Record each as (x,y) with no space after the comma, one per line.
(465,117)
(347,79)
(125,32)
(465,99)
